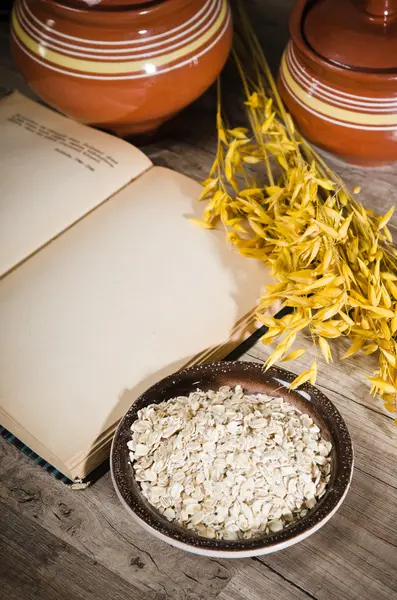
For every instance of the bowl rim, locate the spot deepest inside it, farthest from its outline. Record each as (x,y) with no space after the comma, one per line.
(292,534)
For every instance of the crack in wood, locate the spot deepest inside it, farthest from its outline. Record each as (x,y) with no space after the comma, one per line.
(286,579)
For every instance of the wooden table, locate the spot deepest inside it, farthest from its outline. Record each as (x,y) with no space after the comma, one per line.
(56,543)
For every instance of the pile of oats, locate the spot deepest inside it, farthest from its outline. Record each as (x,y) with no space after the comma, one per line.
(229,465)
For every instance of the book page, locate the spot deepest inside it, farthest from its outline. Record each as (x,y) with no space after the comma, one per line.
(53,171)
(125,297)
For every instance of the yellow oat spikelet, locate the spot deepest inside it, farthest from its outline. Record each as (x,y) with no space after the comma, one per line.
(297,353)
(309,375)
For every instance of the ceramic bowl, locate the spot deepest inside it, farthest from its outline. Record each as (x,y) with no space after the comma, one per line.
(253,379)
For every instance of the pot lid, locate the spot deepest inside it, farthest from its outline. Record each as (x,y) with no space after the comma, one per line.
(355,34)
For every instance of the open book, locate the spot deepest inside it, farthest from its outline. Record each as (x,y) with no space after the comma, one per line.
(106,286)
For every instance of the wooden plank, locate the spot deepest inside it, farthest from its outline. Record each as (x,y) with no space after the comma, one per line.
(254,581)
(354,556)
(95,524)
(182,157)
(36,565)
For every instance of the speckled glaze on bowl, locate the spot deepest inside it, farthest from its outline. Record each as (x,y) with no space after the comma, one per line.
(253,380)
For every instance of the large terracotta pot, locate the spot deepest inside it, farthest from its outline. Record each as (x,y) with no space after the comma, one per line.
(338,77)
(122,65)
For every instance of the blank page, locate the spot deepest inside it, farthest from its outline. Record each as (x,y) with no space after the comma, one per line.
(123,298)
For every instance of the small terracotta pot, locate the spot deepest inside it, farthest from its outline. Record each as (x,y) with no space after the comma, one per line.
(122,65)
(338,77)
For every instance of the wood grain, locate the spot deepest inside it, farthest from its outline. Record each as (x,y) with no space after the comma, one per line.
(254,583)
(354,556)
(36,565)
(58,543)
(94,523)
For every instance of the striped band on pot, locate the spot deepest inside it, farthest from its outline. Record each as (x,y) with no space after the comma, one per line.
(330,104)
(120,59)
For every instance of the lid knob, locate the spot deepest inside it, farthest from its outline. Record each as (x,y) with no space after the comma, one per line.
(382,10)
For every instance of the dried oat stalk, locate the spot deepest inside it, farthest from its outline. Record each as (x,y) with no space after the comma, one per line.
(333,260)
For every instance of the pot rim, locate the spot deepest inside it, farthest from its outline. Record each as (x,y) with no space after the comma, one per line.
(297,16)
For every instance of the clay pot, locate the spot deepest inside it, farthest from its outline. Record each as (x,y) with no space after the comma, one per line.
(338,77)
(122,65)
